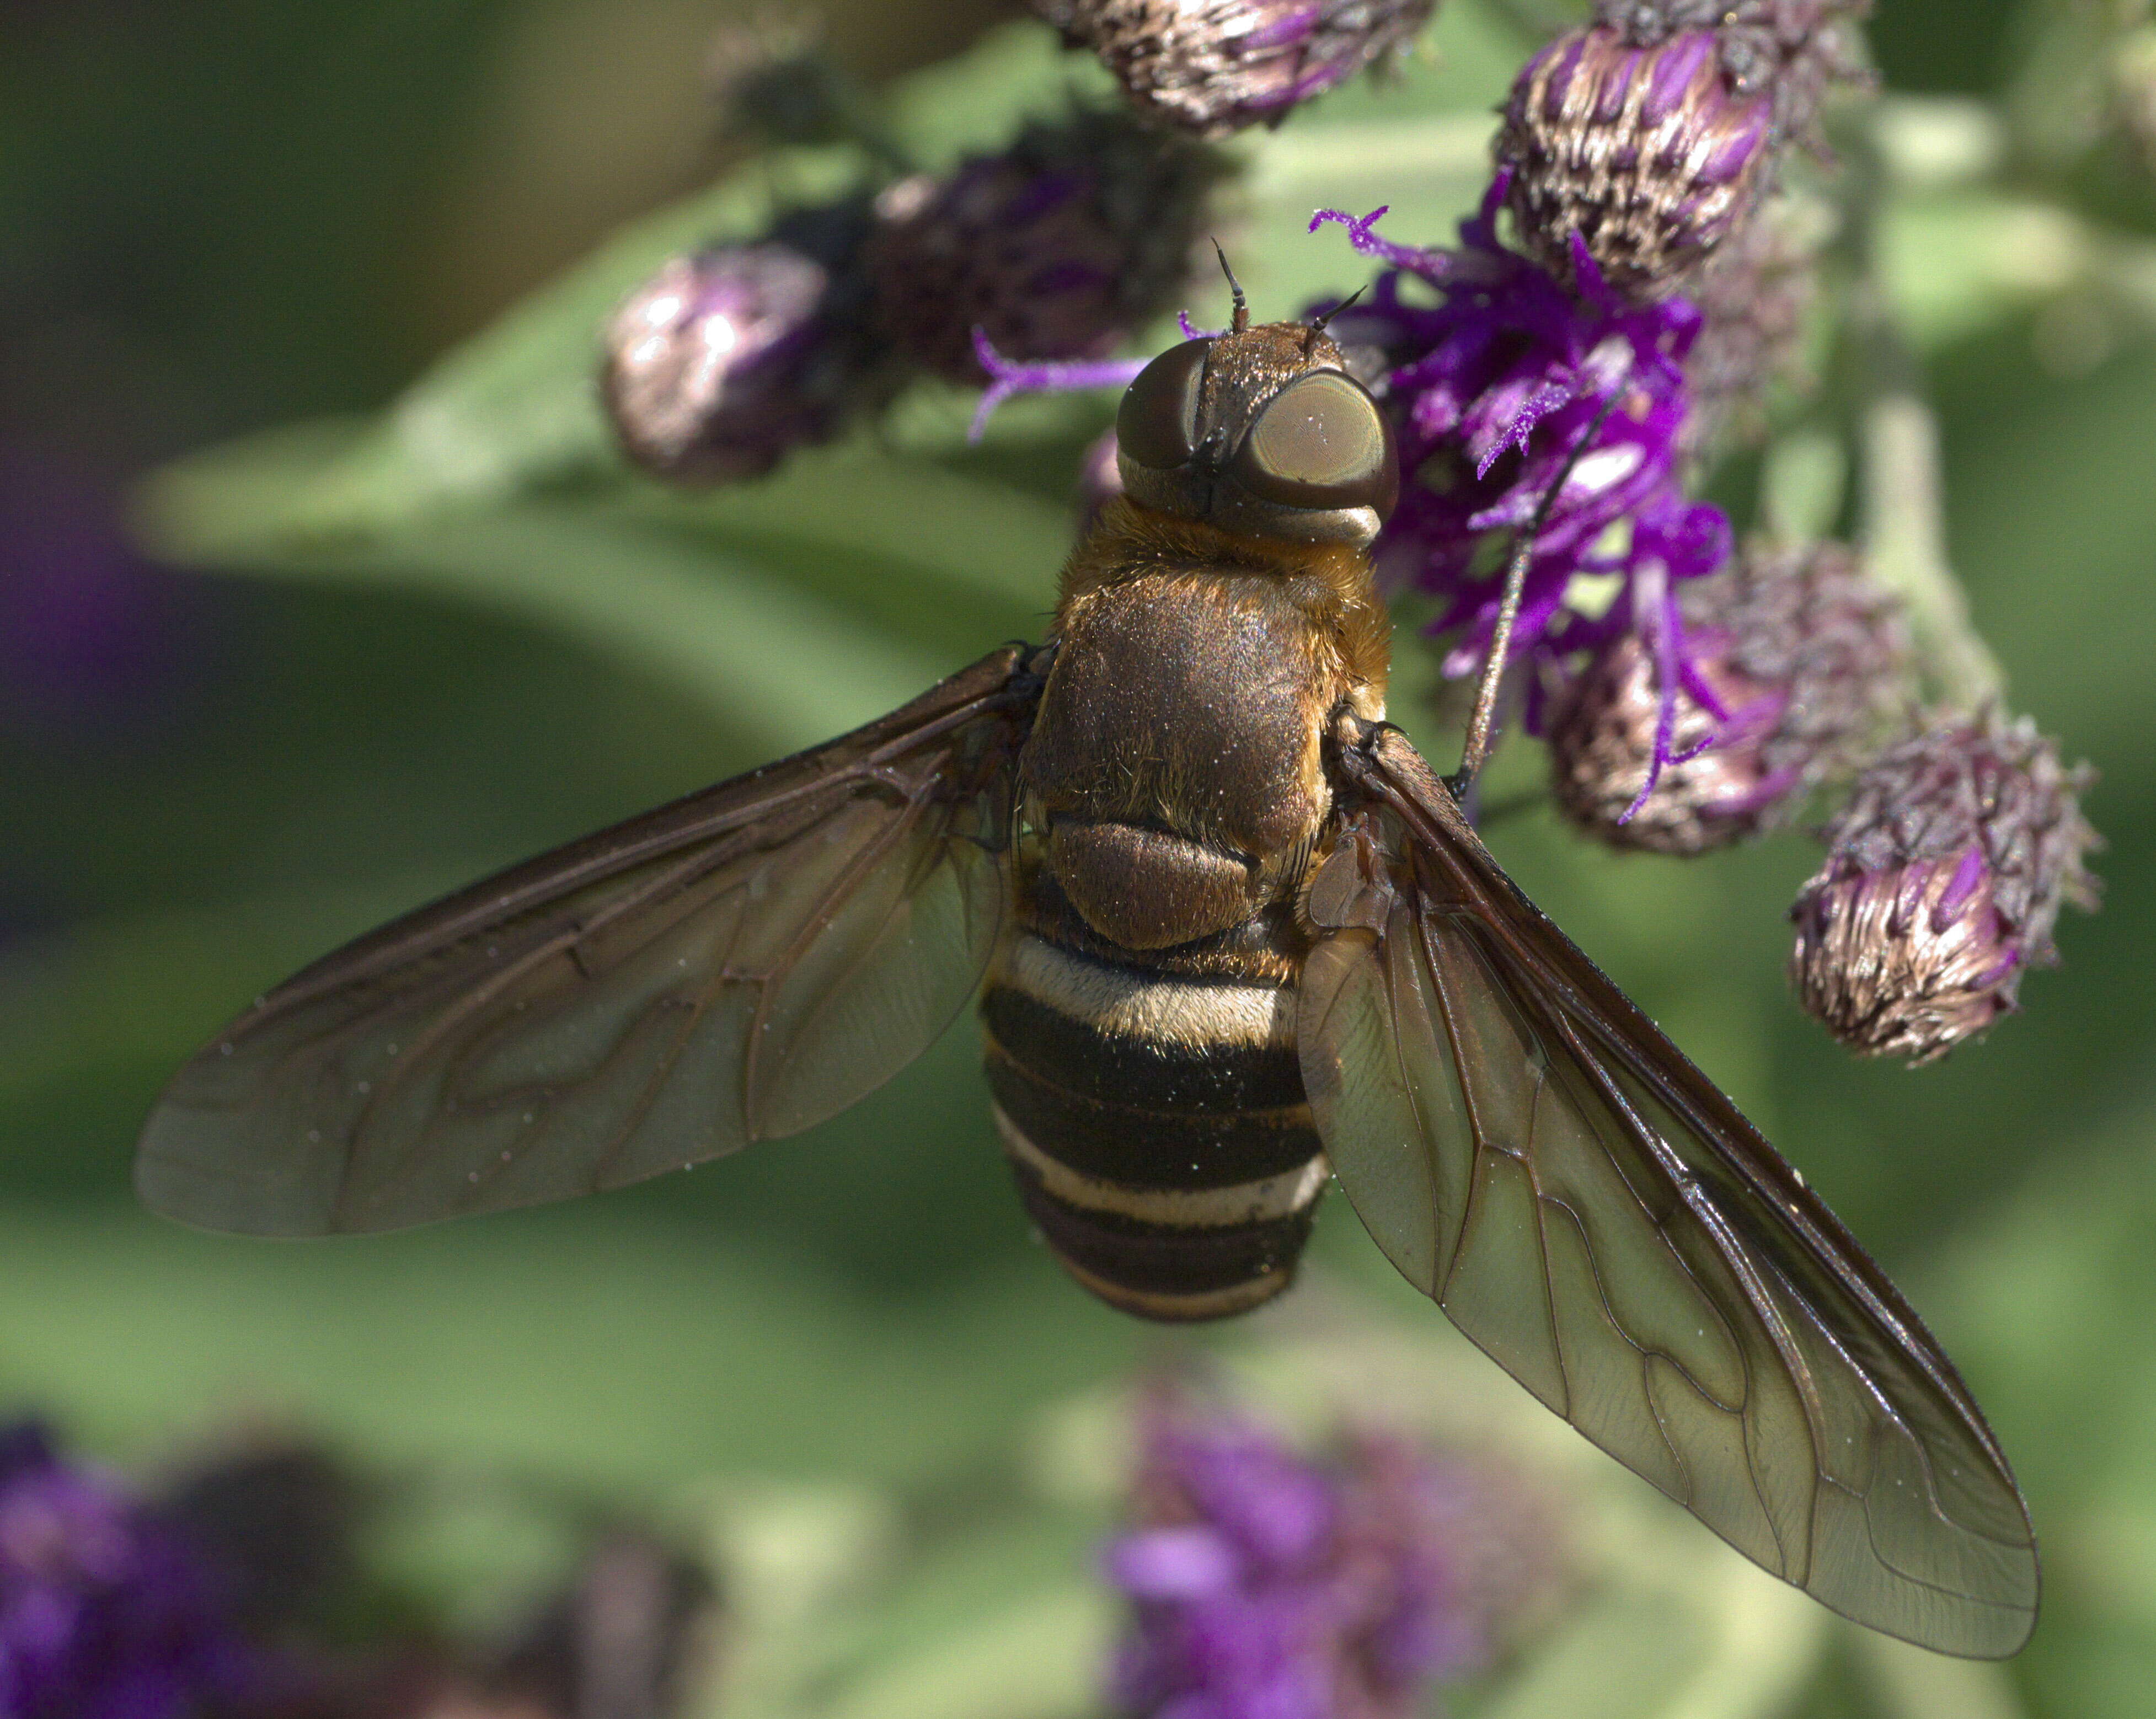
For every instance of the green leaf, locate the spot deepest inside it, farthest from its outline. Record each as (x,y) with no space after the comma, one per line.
(784,665)
(515,407)
(515,410)
(788,616)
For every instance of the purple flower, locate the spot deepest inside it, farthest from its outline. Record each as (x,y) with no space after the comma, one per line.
(1263,1585)
(1057,247)
(1493,390)
(105,1611)
(1214,67)
(1796,664)
(1943,879)
(726,360)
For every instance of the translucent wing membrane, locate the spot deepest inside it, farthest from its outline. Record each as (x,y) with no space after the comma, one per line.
(1531,1153)
(735,966)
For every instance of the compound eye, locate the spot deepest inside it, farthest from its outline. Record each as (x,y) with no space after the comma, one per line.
(1157,425)
(1321,441)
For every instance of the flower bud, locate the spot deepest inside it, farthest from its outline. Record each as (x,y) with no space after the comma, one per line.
(726,360)
(1213,67)
(1647,157)
(1803,655)
(1791,50)
(1943,878)
(1060,248)
(633,1625)
(771,76)
(1755,296)
(768,74)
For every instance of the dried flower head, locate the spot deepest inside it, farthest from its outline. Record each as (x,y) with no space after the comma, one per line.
(1213,67)
(726,360)
(1491,391)
(1647,156)
(105,1612)
(1943,878)
(1057,248)
(1265,1585)
(1786,663)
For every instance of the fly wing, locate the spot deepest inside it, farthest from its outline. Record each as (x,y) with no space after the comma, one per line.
(735,966)
(1533,1153)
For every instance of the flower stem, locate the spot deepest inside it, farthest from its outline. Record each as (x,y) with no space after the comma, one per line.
(1902,498)
(1905,546)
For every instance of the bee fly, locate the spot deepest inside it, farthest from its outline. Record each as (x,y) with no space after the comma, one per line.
(1237,939)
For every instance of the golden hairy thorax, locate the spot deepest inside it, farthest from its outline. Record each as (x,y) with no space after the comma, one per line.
(1174,764)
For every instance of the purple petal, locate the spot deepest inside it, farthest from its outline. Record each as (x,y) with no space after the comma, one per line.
(1675,66)
(1007,377)
(1172,1563)
(1968,875)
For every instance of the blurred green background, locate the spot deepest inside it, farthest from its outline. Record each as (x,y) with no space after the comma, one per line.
(408,652)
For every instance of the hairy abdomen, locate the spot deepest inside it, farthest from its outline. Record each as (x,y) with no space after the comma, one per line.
(1155,1118)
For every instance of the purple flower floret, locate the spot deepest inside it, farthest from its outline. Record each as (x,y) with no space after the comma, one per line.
(105,1612)
(1492,389)
(1265,1586)
(1044,375)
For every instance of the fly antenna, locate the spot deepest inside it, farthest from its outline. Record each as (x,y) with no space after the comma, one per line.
(1477,748)
(1242,319)
(1317,323)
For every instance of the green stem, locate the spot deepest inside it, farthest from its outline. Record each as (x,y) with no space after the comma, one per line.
(1903,512)
(1905,546)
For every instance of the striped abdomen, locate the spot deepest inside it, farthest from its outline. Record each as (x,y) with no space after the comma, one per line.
(1141,1017)
(1156,1122)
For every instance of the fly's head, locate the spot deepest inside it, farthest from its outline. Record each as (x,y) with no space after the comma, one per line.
(1260,431)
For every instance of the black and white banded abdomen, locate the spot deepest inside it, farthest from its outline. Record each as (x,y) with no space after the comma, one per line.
(1156,1125)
